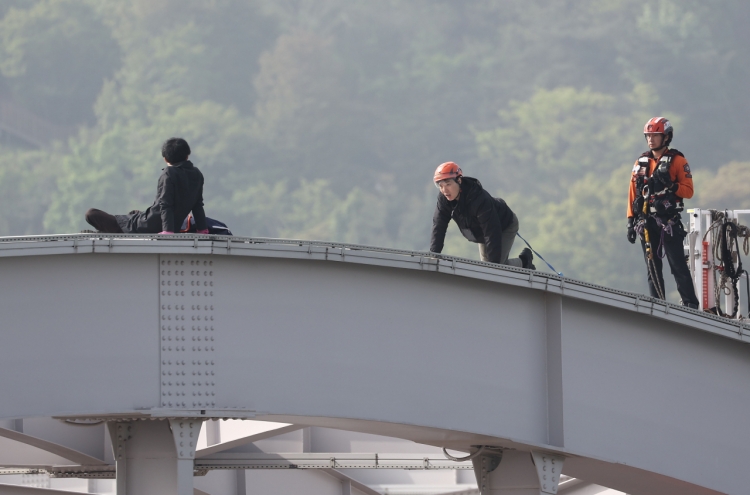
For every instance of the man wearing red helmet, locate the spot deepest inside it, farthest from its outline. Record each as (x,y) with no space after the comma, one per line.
(661,179)
(481,218)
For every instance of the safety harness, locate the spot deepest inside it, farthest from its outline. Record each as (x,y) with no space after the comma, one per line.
(653,200)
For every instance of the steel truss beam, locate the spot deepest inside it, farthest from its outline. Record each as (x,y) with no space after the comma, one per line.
(328,461)
(272,461)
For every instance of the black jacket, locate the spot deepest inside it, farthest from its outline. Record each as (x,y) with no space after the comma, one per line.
(480,217)
(180,191)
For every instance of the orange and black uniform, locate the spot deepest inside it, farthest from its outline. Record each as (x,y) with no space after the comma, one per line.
(679,171)
(664,205)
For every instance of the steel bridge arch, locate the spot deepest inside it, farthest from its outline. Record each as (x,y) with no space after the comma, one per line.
(636,394)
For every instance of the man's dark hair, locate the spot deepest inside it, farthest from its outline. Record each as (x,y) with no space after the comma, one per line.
(175,150)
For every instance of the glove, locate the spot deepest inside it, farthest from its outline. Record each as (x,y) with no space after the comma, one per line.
(165,232)
(204,231)
(667,183)
(662,175)
(632,236)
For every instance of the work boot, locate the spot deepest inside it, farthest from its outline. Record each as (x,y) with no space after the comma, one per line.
(526,257)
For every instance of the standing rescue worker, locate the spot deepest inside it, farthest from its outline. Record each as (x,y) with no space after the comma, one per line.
(481,218)
(661,180)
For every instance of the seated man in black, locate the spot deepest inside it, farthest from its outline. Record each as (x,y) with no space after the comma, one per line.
(180,191)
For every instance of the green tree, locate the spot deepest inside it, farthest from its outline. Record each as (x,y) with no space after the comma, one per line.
(298,87)
(562,160)
(160,91)
(693,53)
(545,144)
(584,235)
(116,170)
(724,189)
(54,57)
(326,118)
(27,179)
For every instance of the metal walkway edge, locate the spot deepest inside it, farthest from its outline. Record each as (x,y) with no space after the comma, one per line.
(197,244)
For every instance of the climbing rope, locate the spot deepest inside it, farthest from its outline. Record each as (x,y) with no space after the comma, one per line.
(539,255)
(642,230)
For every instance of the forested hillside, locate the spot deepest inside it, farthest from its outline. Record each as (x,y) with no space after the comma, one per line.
(325,119)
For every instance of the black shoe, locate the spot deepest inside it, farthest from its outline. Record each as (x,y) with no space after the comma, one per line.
(691,305)
(89,232)
(526,257)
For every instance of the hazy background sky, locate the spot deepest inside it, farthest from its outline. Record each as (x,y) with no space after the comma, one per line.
(325,119)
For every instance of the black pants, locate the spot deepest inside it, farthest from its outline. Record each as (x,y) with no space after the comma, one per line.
(103,221)
(676,256)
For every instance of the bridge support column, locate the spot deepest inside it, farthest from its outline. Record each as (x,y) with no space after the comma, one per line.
(518,473)
(155,456)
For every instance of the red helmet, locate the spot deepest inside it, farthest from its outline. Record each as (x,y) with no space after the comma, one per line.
(659,125)
(447,170)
